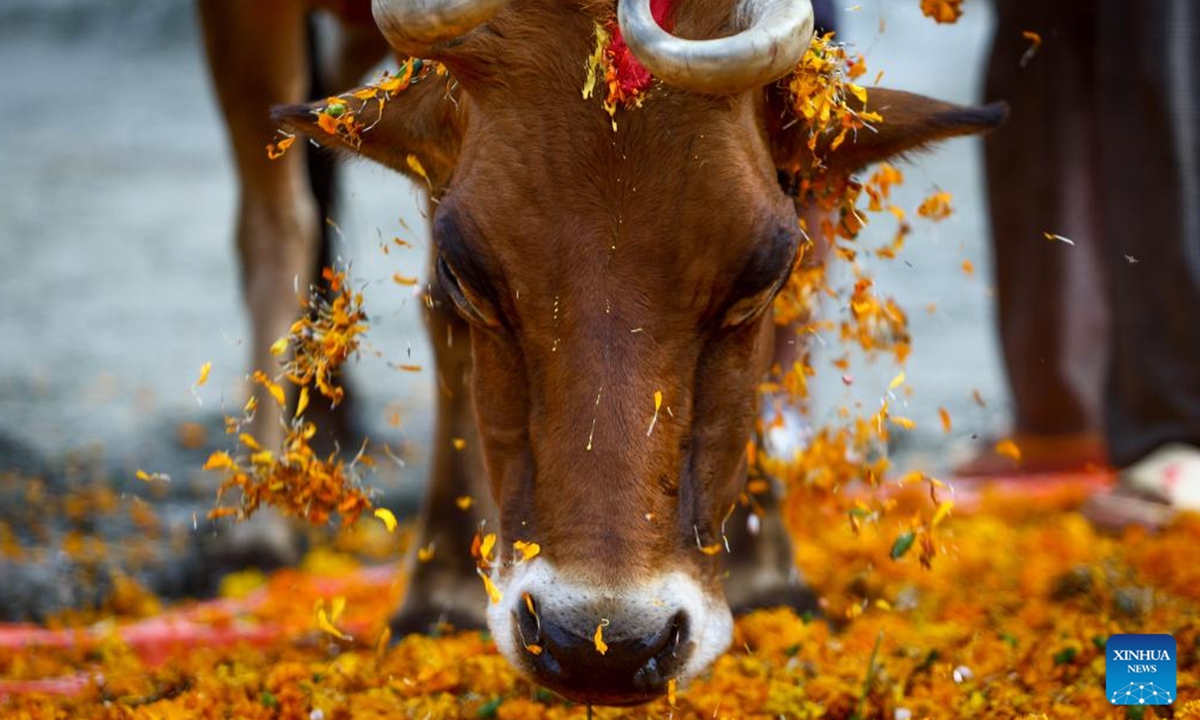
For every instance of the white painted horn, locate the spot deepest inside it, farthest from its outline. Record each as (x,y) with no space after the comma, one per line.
(414,26)
(777,34)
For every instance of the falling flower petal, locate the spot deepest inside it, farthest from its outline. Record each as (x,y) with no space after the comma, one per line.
(326,622)
(492,591)
(387,517)
(271,387)
(942,11)
(1060,238)
(487,545)
(942,512)
(302,401)
(415,165)
(218,461)
(936,207)
(1009,449)
(248,440)
(1035,42)
(277,149)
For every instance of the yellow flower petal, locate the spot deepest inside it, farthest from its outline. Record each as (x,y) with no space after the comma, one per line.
(485,549)
(598,639)
(326,624)
(388,518)
(219,460)
(528,550)
(205,369)
(1009,449)
(492,591)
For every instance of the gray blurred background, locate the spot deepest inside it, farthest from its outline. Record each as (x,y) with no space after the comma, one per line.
(119,278)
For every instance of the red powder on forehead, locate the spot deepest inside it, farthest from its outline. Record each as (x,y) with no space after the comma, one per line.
(631,76)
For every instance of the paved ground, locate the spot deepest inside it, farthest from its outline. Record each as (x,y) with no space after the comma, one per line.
(116,202)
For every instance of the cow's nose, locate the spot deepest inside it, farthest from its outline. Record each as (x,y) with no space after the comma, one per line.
(637,661)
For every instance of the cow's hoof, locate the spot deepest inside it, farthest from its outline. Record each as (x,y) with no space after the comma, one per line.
(426,616)
(266,541)
(794,594)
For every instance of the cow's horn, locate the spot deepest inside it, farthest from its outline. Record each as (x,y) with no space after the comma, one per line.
(413,27)
(776,36)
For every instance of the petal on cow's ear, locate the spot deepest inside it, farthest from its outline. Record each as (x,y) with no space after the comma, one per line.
(417,132)
(910,123)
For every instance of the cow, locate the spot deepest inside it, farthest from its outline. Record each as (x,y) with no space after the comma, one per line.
(600,307)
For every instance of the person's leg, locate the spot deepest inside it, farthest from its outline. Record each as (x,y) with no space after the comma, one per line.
(1149,60)
(1049,294)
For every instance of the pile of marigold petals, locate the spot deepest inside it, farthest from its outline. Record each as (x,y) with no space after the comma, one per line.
(1010,623)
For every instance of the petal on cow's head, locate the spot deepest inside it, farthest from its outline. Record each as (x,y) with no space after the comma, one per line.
(414,127)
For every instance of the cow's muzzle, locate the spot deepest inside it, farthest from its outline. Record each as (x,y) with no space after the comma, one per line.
(569,662)
(612,643)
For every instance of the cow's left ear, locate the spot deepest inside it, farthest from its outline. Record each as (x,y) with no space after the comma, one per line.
(910,123)
(417,132)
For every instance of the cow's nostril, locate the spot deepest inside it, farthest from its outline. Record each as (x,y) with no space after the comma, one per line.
(529,625)
(667,660)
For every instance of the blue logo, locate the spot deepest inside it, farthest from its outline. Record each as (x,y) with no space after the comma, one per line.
(1140,669)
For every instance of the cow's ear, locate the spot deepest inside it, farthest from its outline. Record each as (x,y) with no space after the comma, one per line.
(910,123)
(417,132)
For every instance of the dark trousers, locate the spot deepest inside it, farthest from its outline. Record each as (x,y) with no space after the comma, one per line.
(1102,149)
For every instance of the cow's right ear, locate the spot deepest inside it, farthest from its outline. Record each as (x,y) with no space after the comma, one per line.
(417,132)
(911,123)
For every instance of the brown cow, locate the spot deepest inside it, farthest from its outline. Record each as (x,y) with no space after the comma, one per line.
(592,268)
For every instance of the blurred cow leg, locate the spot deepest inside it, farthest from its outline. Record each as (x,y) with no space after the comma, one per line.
(442,587)
(258,56)
(1149,119)
(761,567)
(762,564)
(1050,295)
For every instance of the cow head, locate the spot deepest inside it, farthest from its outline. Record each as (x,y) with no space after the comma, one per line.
(618,286)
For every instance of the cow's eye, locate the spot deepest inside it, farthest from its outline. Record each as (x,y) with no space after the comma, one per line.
(761,280)
(752,307)
(470,305)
